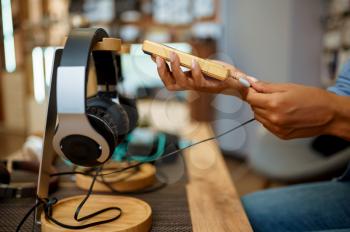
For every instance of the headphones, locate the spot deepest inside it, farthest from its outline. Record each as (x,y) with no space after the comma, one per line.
(89,129)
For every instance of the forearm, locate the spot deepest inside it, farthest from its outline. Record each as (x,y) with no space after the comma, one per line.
(340,125)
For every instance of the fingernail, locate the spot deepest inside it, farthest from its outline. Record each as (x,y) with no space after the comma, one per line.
(253,79)
(158,61)
(194,63)
(244,82)
(172,56)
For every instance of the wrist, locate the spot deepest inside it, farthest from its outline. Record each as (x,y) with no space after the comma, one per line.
(340,111)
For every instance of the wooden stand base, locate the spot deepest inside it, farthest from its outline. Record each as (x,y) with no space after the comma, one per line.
(127,181)
(136,214)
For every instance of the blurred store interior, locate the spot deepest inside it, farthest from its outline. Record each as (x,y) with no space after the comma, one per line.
(282,41)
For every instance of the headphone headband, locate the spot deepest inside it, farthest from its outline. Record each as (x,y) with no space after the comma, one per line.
(78,49)
(72,77)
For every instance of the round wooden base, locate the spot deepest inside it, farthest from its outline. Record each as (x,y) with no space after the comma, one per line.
(136,214)
(127,181)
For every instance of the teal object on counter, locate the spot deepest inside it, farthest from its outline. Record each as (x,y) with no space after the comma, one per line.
(120,151)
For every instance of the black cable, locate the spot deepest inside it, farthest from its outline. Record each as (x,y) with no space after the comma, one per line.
(20,224)
(33,223)
(150,189)
(76,215)
(182,149)
(137,165)
(166,155)
(88,174)
(48,203)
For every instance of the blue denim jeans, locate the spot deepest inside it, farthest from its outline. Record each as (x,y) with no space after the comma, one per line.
(322,206)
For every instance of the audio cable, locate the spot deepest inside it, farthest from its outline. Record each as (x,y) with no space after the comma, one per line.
(49,203)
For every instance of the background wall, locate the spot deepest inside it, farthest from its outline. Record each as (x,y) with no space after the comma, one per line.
(274,40)
(13,95)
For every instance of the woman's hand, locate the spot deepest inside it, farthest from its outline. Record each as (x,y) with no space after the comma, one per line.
(293,111)
(287,110)
(194,79)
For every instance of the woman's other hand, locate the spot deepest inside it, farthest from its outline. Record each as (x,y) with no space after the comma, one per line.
(291,110)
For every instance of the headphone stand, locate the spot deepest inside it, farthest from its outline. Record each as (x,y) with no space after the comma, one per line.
(136,214)
(128,181)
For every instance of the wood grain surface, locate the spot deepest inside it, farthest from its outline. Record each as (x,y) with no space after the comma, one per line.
(212,69)
(212,197)
(136,216)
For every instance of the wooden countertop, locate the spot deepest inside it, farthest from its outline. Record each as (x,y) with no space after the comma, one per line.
(213,200)
(212,197)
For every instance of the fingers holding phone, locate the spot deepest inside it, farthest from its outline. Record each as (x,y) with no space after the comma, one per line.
(174,78)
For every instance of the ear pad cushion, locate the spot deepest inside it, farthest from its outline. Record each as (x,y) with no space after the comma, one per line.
(5,177)
(115,119)
(129,105)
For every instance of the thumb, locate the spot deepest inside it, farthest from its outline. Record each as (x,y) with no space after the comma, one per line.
(266,87)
